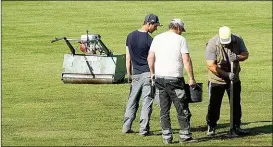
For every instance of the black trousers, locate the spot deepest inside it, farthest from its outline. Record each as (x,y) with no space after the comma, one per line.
(172,90)
(216,93)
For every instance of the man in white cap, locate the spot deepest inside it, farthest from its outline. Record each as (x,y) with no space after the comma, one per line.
(221,50)
(168,55)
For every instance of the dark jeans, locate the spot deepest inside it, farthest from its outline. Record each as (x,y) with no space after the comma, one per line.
(216,93)
(171,89)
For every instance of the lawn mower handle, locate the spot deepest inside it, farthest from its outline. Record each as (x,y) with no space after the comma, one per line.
(57,39)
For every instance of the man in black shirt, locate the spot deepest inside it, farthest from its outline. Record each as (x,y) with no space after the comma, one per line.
(137,48)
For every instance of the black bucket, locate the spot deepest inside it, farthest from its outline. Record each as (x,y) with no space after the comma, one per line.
(195,94)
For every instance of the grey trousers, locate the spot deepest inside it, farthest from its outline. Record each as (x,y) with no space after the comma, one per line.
(171,90)
(140,87)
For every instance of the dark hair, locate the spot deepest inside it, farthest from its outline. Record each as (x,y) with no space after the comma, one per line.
(148,23)
(175,26)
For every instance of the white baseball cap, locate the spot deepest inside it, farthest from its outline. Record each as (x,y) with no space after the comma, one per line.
(178,22)
(225,35)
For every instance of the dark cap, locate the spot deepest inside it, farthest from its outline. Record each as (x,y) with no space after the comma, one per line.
(151,18)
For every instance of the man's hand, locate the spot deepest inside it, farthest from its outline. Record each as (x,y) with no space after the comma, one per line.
(233,57)
(129,79)
(152,80)
(152,76)
(192,83)
(229,75)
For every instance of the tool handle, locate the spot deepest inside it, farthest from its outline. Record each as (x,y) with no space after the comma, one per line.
(231,66)
(231,100)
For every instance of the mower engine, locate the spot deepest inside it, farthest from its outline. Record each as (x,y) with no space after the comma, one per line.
(93,45)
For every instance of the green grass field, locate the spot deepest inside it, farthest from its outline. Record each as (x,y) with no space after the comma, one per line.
(39,110)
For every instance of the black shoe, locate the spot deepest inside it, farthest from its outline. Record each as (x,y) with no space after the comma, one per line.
(232,133)
(240,131)
(168,141)
(148,133)
(187,140)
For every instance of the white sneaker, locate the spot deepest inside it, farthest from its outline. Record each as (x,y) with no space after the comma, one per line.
(211,131)
(127,131)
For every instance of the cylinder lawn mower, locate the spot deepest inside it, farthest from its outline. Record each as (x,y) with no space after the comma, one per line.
(96,64)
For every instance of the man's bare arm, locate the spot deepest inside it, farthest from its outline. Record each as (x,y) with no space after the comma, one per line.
(151,62)
(211,65)
(243,56)
(128,62)
(188,67)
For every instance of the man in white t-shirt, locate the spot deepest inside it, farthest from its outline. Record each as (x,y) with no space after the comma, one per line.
(168,55)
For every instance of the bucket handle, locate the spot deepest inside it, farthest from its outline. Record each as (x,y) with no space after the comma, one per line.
(195,86)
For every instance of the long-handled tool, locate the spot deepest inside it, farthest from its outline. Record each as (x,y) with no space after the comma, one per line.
(231,132)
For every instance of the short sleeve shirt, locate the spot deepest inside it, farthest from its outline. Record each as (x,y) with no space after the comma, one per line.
(210,49)
(168,48)
(139,44)
(215,51)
